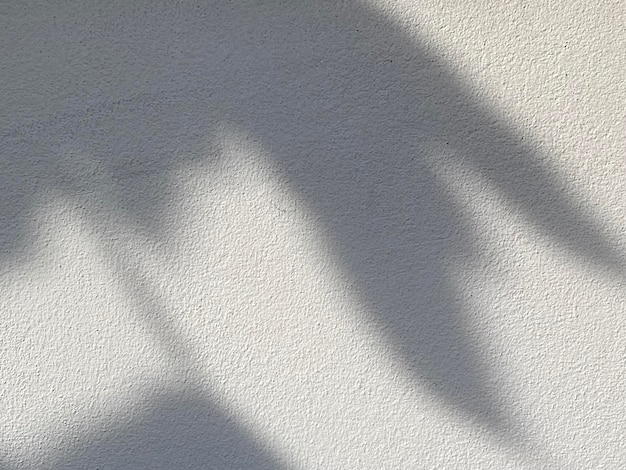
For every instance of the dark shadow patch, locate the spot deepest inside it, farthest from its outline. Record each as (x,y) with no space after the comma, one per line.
(175,430)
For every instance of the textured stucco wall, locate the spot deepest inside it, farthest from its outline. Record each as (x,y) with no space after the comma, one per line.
(306,235)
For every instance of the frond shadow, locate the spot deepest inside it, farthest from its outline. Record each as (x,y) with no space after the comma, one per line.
(349,107)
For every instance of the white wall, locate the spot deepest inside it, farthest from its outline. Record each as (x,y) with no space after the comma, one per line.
(312,235)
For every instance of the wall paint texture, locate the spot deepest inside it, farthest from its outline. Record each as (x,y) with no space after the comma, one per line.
(305,235)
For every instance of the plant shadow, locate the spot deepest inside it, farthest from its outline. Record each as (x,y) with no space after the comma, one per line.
(356,115)
(177,430)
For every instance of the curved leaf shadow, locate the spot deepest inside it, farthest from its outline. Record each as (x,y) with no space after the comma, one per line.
(177,430)
(349,107)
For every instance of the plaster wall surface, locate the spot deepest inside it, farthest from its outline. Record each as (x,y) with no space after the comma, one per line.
(304,235)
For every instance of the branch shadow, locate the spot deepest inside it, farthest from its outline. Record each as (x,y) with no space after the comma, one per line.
(352,111)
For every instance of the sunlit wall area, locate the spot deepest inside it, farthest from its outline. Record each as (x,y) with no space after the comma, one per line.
(303,235)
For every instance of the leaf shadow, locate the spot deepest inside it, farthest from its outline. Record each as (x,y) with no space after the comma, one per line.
(176,430)
(355,114)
